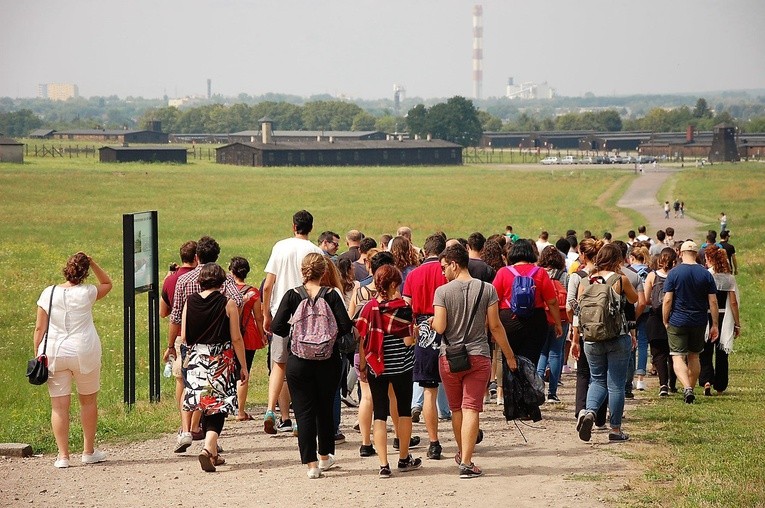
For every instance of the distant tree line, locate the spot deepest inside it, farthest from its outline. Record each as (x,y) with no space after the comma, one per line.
(456,119)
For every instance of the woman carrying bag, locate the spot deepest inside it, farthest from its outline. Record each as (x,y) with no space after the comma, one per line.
(73,348)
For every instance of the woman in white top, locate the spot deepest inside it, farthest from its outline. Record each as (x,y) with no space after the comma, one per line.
(74,351)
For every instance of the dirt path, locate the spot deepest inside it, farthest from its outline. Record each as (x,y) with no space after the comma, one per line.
(641,197)
(552,468)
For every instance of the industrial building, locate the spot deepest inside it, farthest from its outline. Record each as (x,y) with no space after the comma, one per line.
(58,91)
(152,135)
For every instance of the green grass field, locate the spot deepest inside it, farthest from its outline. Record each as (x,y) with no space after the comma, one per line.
(52,208)
(710,454)
(704,455)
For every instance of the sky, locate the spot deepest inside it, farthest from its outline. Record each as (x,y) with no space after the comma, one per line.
(361,48)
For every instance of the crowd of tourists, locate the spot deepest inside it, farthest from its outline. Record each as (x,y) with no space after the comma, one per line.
(407,334)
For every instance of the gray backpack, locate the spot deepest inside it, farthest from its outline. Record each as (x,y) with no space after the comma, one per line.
(600,309)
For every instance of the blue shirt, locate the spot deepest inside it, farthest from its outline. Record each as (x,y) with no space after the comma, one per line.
(691,286)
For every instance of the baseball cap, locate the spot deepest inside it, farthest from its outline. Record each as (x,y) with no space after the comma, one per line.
(689,245)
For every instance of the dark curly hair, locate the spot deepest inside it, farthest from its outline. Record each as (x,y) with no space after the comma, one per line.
(77,267)
(551,258)
(492,255)
(240,267)
(211,276)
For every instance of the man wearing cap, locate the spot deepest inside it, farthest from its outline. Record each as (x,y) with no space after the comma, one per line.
(690,294)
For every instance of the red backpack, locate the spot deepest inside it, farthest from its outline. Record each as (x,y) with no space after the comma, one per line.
(561,293)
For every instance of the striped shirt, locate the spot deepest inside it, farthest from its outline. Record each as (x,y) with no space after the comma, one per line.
(397,356)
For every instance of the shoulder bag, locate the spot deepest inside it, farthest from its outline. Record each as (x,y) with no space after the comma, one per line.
(37,368)
(459,360)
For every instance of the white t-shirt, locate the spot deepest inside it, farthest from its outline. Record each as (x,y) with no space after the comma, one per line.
(542,245)
(71,332)
(285,261)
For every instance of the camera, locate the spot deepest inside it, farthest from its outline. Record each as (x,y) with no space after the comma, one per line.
(173,267)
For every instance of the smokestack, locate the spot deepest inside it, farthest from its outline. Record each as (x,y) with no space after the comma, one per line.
(265,130)
(209,88)
(477,51)
(689,134)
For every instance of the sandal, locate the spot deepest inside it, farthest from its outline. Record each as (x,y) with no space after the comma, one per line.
(218,460)
(206,460)
(244,417)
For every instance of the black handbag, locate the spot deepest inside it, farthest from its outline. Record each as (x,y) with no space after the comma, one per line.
(347,343)
(37,368)
(459,360)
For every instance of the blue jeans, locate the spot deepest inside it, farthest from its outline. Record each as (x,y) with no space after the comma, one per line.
(642,345)
(608,372)
(552,353)
(418,396)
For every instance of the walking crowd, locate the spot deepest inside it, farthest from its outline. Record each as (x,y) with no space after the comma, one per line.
(408,334)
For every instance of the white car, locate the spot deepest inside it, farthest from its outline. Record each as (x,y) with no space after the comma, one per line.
(550,160)
(569,159)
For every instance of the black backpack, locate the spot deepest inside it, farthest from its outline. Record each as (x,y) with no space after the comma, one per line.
(657,293)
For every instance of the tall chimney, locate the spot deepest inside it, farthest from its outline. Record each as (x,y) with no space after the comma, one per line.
(689,134)
(265,130)
(209,88)
(477,50)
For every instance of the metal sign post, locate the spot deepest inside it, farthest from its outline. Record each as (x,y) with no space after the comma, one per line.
(140,248)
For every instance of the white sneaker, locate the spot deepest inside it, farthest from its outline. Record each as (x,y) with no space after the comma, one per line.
(61,463)
(93,458)
(325,465)
(640,385)
(314,473)
(183,442)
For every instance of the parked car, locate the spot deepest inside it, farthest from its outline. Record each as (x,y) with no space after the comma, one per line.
(630,160)
(550,160)
(617,159)
(598,160)
(569,159)
(587,160)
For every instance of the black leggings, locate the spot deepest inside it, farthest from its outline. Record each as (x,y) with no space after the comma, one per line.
(213,422)
(402,387)
(312,385)
(527,335)
(662,362)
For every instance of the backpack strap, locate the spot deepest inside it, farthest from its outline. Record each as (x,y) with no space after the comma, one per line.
(302,292)
(513,271)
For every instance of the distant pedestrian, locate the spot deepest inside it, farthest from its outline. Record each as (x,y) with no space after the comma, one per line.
(666,209)
(682,209)
(723,222)
(676,207)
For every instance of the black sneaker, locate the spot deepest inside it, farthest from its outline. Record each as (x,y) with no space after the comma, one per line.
(416,412)
(284,425)
(414,442)
(434,450)
(409,464)
(629,395)
(552,399)
(673,389)
(470,471)
(339,438)
(688,396)
(385,471)
(663,391)
(493,389)
(617,437)
(479,437)
(367,451)
(584,425)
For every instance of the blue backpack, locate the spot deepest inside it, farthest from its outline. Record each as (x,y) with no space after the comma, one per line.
(523,293)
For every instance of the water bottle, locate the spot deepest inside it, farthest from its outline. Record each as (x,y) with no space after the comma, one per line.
(169,366)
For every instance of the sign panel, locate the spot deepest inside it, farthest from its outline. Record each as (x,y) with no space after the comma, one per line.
(143,254)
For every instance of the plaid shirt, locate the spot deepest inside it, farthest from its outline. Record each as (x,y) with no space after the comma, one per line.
(188,285)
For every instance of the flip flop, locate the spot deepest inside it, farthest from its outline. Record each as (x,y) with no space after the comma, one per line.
(247,417)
